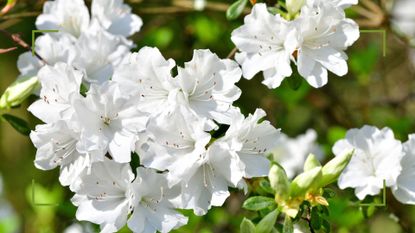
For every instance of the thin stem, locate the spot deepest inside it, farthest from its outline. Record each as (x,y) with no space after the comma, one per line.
(18,41)
(21,15)
(232,53)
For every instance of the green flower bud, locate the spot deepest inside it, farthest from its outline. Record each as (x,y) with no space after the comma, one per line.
(279,182)
(16,93)
(303,182)
(311,162)
(332,170)
(294,6)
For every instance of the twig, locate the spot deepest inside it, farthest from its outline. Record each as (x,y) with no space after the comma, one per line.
(7,50)
(232,53)
(17,40)
(21,15)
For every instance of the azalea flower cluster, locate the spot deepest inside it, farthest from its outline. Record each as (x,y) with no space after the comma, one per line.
(313,35)
(104,107)
(378,158)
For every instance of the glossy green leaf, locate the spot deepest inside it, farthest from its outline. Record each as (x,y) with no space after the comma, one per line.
(258,203)
(17,123)
(236,9)
(288,225)
(267,223)
(247,226)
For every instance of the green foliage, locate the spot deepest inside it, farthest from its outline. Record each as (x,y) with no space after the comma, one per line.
(288,225)
(236,9)
(258,203)
(267,223)
(17,123)
(247,226)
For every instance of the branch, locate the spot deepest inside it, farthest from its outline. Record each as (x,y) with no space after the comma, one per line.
(18,41)
(232,53)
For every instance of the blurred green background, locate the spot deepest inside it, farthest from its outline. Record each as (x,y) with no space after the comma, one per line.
(378,91)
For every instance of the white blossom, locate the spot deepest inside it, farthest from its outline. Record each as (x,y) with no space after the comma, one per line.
(344,3)
(52,49)
(98,52)
(377,158)
(266,43)
(59,84)
(291,153)
(323,34)
(251,140)
(404,189)
(207,86)
(147,74)
(175,143)
(56,146)
(108,194)
(403,18)
(109,121)
(70,17)
(105,196)
(116,17)
(154,210)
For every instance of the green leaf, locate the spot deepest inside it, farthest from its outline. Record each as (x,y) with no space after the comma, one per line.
(18,124)
(266,186)
(247,226)
(258,203)
(315,220)
(236,9)
(326,226)
(288,225)
(267,223)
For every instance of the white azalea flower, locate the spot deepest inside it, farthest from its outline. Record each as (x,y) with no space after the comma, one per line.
(344,3)
(56,146)
(266,42)
(175,143)
(179,146)
(377,157)
(108,194)
(404,189)
(291,153)
(251,140)
(51,49)
(403,18)
(109,121)
(98,52)
(207,86)
(66,16)
(323,34)
(59,83)
(147,74)
(116,17)
(105,196)
(153,209)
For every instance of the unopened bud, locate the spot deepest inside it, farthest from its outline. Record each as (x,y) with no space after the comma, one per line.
(303,182)
(332,170)
(16,93)
(294,6)
(311,162)
(279,182)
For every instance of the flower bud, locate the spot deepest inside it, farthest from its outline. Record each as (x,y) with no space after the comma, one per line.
(279,182)
(16,93)
(303,182)
(311,162)
(332,170)
(294,6)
